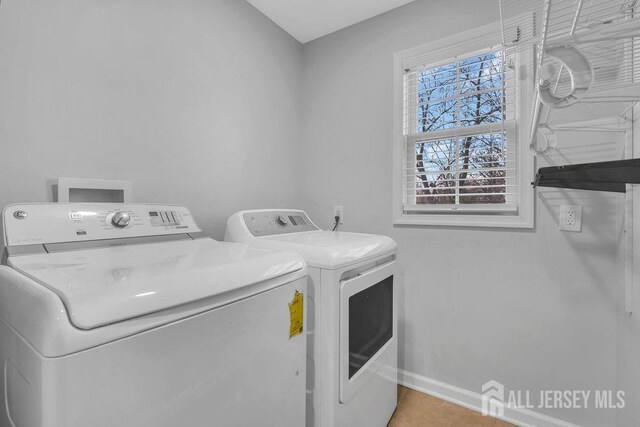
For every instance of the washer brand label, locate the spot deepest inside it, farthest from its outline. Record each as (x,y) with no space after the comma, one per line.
(75,216)
(296,315)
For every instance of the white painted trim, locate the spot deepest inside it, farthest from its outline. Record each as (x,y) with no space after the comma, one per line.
(635,234)
(473,401)
(458,44)
(460,220)
(629,284)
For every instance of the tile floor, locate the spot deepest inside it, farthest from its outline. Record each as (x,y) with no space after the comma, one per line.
(416,409)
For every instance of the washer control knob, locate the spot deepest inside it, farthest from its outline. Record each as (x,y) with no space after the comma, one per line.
(20,215)
(120,219)
(282,220)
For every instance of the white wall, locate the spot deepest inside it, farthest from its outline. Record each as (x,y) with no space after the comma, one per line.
(195,101)
(533,309)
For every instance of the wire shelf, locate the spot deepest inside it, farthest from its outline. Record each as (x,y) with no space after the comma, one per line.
(587,63)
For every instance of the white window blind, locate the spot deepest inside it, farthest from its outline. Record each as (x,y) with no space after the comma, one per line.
(459,126)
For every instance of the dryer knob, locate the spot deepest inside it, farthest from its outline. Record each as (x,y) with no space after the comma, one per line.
(120,219)
(282,220)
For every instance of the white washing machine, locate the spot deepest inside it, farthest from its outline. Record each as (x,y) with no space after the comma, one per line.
(124,315)
(352,321)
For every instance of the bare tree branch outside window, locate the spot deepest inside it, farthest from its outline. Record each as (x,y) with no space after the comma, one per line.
(469,169)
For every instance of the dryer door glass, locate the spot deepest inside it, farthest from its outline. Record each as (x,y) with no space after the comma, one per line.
(370,323)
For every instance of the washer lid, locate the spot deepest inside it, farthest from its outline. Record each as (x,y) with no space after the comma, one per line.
(109,285)
(330,249)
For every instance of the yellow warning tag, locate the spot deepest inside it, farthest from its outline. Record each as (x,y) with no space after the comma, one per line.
(296,314)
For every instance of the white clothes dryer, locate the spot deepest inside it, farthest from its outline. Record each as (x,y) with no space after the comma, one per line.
(352,321)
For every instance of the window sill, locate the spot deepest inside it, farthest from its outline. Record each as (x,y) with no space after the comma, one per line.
(466,220)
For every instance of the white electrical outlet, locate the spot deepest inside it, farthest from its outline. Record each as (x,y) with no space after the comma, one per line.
(570,218)
(339,211)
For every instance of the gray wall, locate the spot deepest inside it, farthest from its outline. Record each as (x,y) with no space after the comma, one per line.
(533,309)
(198,102)
(195,101)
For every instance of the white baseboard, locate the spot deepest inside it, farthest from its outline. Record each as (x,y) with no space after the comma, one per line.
(473,401)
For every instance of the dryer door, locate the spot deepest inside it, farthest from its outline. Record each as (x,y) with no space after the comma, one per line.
(367,326)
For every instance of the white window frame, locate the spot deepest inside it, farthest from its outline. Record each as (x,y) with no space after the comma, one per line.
(468,42)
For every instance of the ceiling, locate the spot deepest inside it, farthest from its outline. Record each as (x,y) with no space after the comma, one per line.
(307,20)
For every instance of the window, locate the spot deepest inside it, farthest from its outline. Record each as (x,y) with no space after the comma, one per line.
(459,157)
(456,155)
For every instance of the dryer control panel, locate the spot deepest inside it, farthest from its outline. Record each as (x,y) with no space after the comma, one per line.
(272,222)
(46,223)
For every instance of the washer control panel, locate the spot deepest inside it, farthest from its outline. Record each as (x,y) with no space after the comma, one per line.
(273,222)
(164,218)
(28,224)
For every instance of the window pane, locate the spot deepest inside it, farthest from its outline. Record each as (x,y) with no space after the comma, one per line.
(483,107)
(436,115)
(481,73)
(482,88)
(483,151)
(482,165)
(440,81)
(436,156)
(435,92)
(434,162)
